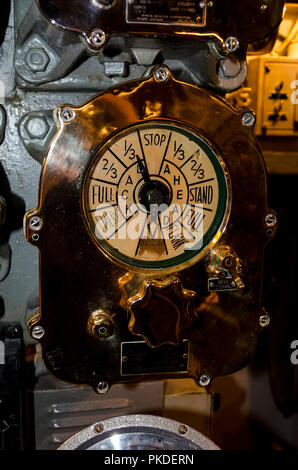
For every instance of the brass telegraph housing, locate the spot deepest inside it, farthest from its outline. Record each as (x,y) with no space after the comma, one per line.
(199,318)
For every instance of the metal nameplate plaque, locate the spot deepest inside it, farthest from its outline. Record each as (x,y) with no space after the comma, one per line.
(138,358)
(218,284)
(191,13)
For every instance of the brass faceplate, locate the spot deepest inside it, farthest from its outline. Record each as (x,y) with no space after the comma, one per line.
(78,279)
(250,21)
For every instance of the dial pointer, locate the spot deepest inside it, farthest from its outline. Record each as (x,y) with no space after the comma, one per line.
(143,170)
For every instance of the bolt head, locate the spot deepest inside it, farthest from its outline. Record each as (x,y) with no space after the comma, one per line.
(232,44)
(35,222)
(204,380)
(37,127)
(37,59)
(230,67)
(161,74)
(97,38)
(102,387)
(182,429)
(37,332)
(98,427)
(270,220)
(248,119)
(264,320)
(67,114)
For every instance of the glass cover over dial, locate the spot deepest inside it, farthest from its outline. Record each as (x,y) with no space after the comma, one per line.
(156,197)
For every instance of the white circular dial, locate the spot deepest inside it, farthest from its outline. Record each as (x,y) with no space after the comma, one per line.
(156,197)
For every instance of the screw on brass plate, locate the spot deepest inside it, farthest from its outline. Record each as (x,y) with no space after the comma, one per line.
(204,380)
(182,429)
(232,44)
(248,119)
(161,74)
(102,387)
(67,114)
(97,38)
(37,332)
(264,320)
(270,220)
(98,427)
(35,223)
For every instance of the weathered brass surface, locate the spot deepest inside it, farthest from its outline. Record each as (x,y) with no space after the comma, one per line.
(77,279)
(251,21)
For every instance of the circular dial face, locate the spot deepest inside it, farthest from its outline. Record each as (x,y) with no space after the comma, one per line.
(156,197)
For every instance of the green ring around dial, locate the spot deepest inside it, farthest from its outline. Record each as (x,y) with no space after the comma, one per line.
(188,255)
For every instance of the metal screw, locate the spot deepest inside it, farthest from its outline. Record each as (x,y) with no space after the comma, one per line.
(264,320)
(35,222)
(270,220)
(264,7)
(204,380)
(37,59)
(124,359)
(182,429)
(248,119)
(35,237)
(102,387)
(202,4)
(97,38)
(37,332)
(67,114)
(98,427)
(232,44)
(161,74)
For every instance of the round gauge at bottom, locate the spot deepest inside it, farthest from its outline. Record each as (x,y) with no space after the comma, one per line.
(156,197)
(138,432)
